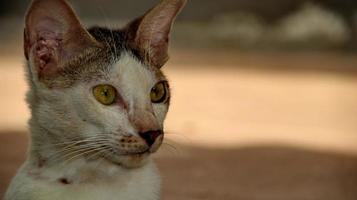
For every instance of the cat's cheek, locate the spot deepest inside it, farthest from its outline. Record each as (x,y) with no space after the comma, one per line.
(89,130)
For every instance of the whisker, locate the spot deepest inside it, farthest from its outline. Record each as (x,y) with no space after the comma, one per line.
(71,148)
(173,143)
(169,134)
(170,145)
(170,149)
(73,143)
(77,149)
(104,149)
(60,156)
(80,154)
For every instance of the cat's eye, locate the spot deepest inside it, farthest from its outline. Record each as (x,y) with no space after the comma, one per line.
(159,93)
(105,94)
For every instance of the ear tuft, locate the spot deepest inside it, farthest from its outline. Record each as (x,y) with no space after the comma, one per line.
(53,35)
(150,33)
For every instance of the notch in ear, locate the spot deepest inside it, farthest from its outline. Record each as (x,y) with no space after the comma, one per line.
(150,33)
(53,36)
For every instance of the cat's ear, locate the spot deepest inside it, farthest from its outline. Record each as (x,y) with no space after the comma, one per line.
(53,35)
(150,33)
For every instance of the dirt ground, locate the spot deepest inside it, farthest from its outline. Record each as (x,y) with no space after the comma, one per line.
(244,126)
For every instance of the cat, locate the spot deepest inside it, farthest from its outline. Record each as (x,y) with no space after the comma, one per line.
(98,100)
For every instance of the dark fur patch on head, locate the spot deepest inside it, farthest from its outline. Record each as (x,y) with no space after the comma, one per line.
(116,40)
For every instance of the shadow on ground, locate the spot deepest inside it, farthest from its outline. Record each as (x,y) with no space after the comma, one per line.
(250,173)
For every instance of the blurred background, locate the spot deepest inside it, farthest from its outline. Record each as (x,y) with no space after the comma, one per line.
(264,100)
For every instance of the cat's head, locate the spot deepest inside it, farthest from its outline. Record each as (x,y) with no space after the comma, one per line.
(99,90)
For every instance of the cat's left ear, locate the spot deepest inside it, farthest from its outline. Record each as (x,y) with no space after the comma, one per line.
(53,36)
(150,33)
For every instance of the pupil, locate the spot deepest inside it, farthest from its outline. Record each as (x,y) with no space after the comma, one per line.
(105,92)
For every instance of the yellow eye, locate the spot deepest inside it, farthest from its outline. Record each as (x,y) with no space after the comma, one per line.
(159,92)
(105,94)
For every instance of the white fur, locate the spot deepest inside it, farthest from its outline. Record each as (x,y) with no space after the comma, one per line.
(57,115)
(133,184)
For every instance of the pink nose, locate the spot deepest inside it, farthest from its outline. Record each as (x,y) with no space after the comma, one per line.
(150,136)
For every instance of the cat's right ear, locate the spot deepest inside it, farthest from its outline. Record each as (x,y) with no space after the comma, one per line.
(53,36)
(150,33)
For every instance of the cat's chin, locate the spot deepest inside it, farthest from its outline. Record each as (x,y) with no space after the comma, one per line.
(130,160)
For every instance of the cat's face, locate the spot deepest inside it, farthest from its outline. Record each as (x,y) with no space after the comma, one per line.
(111,122)
(101,91)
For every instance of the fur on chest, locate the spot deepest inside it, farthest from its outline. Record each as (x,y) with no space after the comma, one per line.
(120,184)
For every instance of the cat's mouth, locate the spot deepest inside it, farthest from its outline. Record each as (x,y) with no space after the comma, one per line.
(133,152)
(136,153)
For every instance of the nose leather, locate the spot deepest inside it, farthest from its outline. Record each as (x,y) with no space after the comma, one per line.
(150,136)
